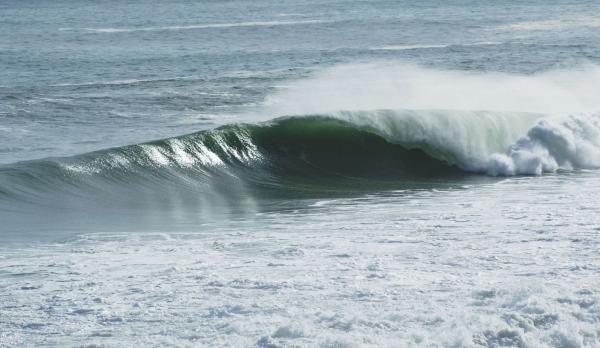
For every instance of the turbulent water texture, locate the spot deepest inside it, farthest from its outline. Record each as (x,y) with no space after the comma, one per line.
(299,173)
(482,265)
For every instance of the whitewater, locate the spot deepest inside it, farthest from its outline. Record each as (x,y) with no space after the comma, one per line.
(299,174)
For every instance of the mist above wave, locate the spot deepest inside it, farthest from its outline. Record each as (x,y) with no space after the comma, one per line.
(550,116)
(386,85)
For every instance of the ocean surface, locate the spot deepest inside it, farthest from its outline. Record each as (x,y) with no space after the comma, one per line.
(299,173)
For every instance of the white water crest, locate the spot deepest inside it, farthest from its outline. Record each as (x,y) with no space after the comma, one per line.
(532,124)
(552,144)
(465,138)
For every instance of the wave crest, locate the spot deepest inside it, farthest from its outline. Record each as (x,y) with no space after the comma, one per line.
(552,144)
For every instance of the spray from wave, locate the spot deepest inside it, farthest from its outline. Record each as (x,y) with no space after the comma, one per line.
(563,135)
(405,86)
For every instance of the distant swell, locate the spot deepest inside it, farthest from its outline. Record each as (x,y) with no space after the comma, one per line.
(194,26)
(417,47)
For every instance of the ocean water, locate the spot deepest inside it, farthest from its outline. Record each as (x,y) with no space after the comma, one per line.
(300,173)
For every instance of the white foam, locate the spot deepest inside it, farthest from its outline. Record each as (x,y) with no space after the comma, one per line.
(494,265)
(552,144)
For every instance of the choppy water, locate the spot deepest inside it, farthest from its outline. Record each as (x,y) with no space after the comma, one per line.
(306,173)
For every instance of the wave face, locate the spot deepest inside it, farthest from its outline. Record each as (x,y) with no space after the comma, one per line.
(284,154)
(342,150)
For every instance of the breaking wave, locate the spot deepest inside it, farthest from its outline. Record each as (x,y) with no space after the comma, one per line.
(283,154)
(340,148)
(409,124)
